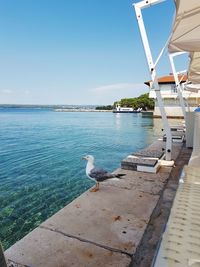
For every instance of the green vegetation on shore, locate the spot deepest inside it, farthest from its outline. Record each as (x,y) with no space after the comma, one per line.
(109,107)
(143,101)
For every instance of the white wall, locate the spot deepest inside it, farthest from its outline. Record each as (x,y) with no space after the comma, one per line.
(169,91)
(171,111)
(171,100)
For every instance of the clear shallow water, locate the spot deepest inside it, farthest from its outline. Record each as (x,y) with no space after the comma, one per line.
(40,166)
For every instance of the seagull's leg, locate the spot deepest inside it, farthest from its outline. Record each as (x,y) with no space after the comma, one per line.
(96,188)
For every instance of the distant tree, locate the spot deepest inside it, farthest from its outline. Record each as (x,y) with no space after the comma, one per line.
(109,107)
(143,101)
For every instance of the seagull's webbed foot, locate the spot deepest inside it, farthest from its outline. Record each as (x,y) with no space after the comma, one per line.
(95,189)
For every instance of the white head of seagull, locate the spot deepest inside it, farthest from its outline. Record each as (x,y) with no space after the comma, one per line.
(90,164)
(89,158)
(96,174)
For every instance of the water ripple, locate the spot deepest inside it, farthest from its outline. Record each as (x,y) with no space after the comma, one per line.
(40,166)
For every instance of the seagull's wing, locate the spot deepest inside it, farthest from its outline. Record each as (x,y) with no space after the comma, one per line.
(100,174)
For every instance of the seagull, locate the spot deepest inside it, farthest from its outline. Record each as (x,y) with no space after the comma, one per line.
(98,175)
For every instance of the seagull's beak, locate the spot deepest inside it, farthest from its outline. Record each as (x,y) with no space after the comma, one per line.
(83,158)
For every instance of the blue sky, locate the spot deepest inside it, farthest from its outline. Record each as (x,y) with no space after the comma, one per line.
(77,51)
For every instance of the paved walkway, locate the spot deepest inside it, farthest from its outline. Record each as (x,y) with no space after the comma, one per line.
(96,229)
(149,244)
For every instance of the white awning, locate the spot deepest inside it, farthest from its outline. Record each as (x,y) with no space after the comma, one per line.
(194,68)
(193,88)
(186,29)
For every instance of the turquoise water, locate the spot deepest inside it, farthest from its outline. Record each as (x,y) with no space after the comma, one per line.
(40,166)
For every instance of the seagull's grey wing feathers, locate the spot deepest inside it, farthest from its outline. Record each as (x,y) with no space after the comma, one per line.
(100,174)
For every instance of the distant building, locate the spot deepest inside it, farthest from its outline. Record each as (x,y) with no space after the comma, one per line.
(170,97)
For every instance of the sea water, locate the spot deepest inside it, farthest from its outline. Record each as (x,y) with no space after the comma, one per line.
(40,159)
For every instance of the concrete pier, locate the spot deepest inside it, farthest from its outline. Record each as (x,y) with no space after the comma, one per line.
(105,228)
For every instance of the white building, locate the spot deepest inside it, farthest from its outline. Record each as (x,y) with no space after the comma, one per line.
(170,97)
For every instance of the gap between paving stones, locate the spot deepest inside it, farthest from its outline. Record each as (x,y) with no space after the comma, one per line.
(86,241)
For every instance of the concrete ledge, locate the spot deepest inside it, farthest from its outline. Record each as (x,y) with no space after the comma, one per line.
(96,229)
(43,247)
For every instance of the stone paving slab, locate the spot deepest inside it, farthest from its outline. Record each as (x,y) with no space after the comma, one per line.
(42,248)
(149,153)
(144,182)
(147,156)
(111,217)
(134,161)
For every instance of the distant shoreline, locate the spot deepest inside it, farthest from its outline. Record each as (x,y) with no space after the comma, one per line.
(80,110)
(55,108)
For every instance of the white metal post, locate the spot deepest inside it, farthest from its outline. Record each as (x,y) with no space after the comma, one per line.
(177,82)
(151,65)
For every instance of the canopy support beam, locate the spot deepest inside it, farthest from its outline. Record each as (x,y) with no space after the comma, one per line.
(138,6)
(177,82)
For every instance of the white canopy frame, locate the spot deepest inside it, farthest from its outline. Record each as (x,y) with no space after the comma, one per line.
(138,7)
(176,78)
(185,38)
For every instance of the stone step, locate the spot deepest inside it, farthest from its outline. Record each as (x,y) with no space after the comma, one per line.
(176,137)
(148,153)
(140,164)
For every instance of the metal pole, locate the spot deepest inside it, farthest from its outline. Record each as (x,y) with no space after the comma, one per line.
(178,86)
(152,71)
(2,258)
